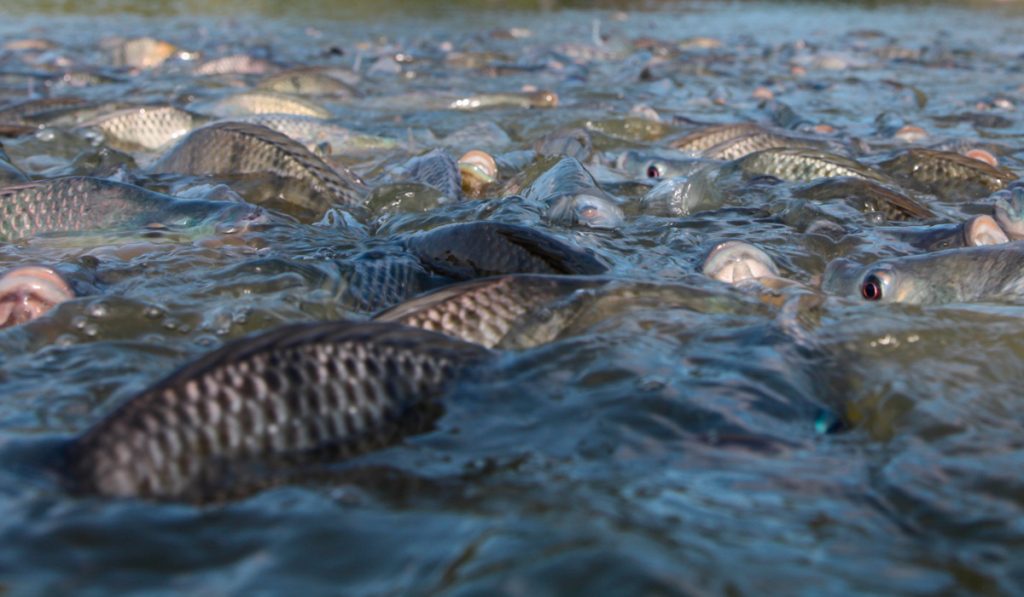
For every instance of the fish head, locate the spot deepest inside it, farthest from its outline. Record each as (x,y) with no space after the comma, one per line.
(478,169)
(734,262)
(879,282)
(587,210)
(28,292)
(1009,211)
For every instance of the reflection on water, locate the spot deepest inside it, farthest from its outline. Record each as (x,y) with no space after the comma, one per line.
(722,441)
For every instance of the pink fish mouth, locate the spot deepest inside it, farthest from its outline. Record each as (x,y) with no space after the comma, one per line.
(28,292)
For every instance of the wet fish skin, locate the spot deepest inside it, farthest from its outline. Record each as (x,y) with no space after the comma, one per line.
(29,292)
(489,311)
(79,203)
(259,102)
(738,147)
(735,262)
(867,195)
(683,195)
(1009,211)
(528,99)
(574,142)
(705,138)
(297,391)
(231,148)
(148,127)
(573,197)
(803,165)
(312,131)
(436,169)
(947,174)
(236,64)
(479,249)
(307,81)
(377,280)
(994,272)
(652,165)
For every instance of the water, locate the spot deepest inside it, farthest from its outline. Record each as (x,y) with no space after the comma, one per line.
(722,447)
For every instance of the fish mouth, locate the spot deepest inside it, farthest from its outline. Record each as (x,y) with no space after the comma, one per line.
(28,292)
(733,262)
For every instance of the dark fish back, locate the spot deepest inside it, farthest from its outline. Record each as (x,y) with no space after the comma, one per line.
(299,390)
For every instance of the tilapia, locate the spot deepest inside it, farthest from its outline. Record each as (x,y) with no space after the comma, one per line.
(983,273)
(295,393)
(233,148)
(479,249)
(78,204)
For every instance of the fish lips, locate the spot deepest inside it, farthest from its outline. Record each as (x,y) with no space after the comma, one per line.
(28,292)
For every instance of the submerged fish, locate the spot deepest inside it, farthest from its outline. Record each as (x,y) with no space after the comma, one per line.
(490,312)
(573,198)
(526,99)
(978,231)
(376,280)
(233,148)
(955,275)
(300,391)
(802,165)
(307,81)
(29,292)
(260,102)
(867,195)
(735,262)
(148,127)
(77,204)
(947,174)
(479,249)
(313,132)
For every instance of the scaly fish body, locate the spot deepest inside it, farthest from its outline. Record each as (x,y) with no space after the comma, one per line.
(803,165)
(148,127)
(79,204)
(260,102)
(302,390)
(230,148)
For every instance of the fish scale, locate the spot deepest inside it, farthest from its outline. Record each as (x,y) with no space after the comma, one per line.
(805,165)
(149,127)
(245,148)
(79,203)
(336,387)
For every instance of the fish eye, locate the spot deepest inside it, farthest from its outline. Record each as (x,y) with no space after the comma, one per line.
(871,288)
(653,171)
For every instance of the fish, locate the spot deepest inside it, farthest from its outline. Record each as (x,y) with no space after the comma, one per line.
(975,232)
(233,148)
(375,280)
(235,64)
(29,292)
(947,174)
(259,102)
(573,197)
(704,138)
(868,196)
(82,204)
(525,99)
(479,170)
(489,311)
(803,165)
(573,142)
(736,262)
(313,132)
(743,145)
(146,127)
(683,195)
(658,165)
(145,52)
(1009,211)
(307,81)
(308,390)
(479,249)
(435,169)
(984,273)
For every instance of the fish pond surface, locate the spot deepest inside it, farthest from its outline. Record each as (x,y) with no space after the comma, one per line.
(686,436)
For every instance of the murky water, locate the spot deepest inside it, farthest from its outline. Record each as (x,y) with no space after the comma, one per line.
(721,444)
